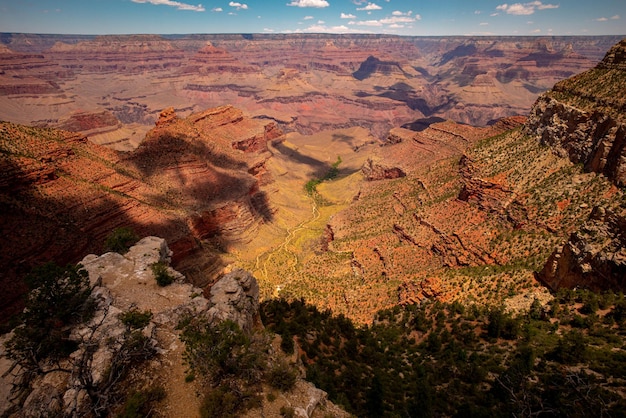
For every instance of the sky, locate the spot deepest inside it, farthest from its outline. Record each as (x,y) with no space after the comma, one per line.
(399,17)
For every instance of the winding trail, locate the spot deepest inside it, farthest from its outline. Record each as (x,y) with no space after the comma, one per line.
(291,233)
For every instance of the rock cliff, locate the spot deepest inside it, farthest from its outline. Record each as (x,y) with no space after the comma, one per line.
(91,379)
(583,118)
(189,182)
(593,258)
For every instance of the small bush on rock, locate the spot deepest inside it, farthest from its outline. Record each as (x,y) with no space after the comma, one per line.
(282,377)
(161,274)
(134,319)
(120,240)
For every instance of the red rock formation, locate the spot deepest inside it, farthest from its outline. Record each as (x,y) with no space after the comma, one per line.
(373,170)
(89,122)
(61,195)
(211,60)
(593,258)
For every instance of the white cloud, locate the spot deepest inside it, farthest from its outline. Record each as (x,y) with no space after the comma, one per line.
(308,17)
(320,22)
(483,24)
(525,8)
(217,9)
(370,6)
(601,19)
(615,17)
(268,30)
(477,12)
(238,6)
(326,29)
(376,23)
(309,3)
(399,13)
(177,4)
(393,22)
(348,16)
(396,19)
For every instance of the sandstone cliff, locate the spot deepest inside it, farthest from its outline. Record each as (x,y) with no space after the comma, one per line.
(593,258)
(189,182)
(583,117)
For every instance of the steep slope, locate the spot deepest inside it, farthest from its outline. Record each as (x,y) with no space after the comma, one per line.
(196,181)
(456,213)
(583,119)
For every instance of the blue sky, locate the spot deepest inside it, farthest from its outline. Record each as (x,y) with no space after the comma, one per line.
(401,17)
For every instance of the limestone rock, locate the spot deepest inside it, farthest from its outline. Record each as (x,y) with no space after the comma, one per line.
(594,257)
(583,118)
(235,297)
(316,397)
(375,169)
(594,139)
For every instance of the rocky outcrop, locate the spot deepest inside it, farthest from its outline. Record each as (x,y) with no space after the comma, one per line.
(235,297)
(85,381)
(89,123)
(376,170)
(166,117)
(583,118)
(415,292)
(594,257)
(591,138)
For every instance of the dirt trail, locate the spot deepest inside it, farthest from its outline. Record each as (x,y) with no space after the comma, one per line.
(283,247)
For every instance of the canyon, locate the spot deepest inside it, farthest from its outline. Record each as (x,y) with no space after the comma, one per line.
(468,176)
(422,206)
(306,83)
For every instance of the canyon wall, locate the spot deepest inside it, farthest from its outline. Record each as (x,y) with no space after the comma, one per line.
(189,181)
(306,83)
(583,118)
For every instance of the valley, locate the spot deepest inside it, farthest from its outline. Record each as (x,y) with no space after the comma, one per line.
(417,226)
(440,190)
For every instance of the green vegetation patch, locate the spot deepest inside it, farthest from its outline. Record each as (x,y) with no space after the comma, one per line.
(451,359)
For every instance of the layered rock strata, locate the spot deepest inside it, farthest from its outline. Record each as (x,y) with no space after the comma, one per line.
(583,118)
(188,181)
(594,257)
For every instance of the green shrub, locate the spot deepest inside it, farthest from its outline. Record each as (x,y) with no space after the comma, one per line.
(286,343)
(135,319)
(59,298)
(120,240)
(228,401)
(287,412)
(140,404)
(221,350)
(161,274)
(282,377)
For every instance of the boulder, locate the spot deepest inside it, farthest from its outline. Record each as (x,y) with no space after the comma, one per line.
(235,297)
